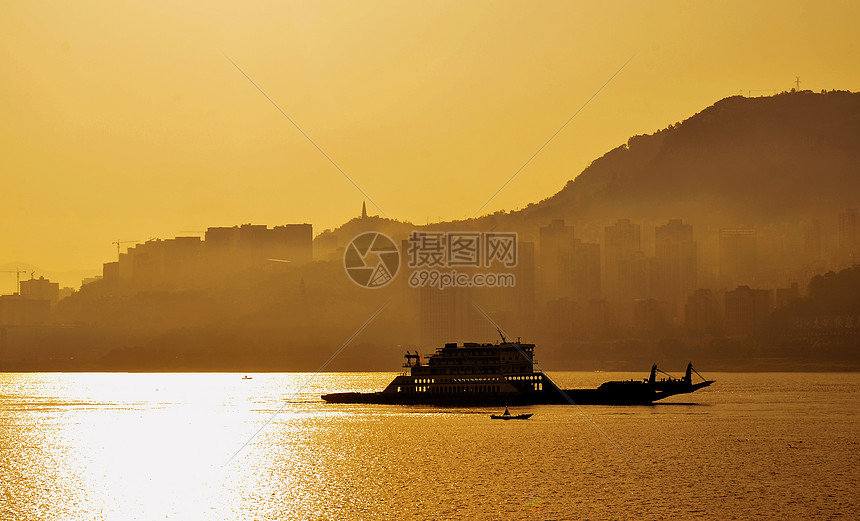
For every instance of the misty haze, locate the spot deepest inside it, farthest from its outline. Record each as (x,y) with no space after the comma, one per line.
(700,241)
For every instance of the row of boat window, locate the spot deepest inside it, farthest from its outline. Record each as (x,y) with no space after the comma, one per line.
(453,389)
(490,379)
(482,370)
(477,360)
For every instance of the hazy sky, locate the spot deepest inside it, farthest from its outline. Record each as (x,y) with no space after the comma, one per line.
(126,119)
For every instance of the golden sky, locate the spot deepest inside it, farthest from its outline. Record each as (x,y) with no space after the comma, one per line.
(123,119)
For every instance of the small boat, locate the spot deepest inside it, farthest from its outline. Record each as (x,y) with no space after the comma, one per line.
(508,416)
(246,377)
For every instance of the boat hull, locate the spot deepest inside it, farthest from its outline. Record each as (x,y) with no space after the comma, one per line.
(633,394)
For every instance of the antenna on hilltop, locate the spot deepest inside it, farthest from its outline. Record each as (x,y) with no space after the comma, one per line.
(797,83)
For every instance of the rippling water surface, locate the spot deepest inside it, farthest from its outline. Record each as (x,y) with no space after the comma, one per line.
(173,446)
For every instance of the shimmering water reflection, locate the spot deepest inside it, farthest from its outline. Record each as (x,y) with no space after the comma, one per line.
(161,446)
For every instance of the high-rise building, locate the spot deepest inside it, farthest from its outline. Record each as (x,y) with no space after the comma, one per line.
(738,256)
(621,243)
(676,250)
(448,315)
(242,246)
(585,272)
(41,289)
(638,277)
(747,311)
(524,288)
(513,304)
(569,267)
(293,242)
(556,244)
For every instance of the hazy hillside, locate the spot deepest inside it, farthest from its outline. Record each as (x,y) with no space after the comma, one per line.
(745,158)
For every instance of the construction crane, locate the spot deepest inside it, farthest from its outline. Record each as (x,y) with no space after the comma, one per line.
(17,272)
(118,243)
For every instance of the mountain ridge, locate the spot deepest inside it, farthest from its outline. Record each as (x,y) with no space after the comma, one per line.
(738,146)
(740,161)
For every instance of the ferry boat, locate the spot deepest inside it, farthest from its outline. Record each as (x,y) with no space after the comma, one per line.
(475,374)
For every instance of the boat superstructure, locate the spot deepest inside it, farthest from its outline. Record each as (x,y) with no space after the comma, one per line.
(472,372)
(468,373)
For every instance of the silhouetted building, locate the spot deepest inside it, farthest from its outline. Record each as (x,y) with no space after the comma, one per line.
(676,250)
(158,264)
(639,277)
(293,242)
(738,256)
(90,280)
(524,289)
(783,296)
(66,292)
(325,245)
(702,312)
(41,289)
(447,315)
(110,271)
(514,304)
(556,244)
(188,261)
(585,272)
(18,310)
(649,318)
(747,311)
(221,240)
(569,267)
(244,246)
(621,243)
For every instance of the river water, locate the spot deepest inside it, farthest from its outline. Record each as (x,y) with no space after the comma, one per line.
(215,446)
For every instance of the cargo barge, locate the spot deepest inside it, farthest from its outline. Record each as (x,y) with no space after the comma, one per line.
(506,373)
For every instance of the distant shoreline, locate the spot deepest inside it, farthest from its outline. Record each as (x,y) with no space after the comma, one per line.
(704,367)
